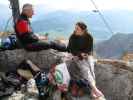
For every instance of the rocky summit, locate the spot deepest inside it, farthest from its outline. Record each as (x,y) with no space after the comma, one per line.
(114,78)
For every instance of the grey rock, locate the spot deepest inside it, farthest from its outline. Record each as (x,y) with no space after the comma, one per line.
(9,60)
(114,82)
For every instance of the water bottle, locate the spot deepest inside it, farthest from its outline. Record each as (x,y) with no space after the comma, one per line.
(0,43)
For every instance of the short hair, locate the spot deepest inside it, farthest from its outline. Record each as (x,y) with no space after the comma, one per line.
(27,6)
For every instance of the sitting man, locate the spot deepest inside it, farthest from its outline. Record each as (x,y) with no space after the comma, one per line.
(25,35)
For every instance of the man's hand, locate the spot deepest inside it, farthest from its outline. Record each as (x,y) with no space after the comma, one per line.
(43,37)
(40,37)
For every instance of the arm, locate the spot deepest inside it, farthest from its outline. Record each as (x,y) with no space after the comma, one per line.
(88,45)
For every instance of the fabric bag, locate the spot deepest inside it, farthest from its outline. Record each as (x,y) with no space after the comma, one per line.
(62,76)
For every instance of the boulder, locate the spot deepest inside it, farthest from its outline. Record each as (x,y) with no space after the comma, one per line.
(114,80)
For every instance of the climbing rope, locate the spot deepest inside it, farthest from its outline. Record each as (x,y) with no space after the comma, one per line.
(102,16)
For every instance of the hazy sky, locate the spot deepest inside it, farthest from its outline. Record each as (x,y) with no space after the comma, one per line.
(78,4)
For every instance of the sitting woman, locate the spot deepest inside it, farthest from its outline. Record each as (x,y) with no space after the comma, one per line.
(81,47)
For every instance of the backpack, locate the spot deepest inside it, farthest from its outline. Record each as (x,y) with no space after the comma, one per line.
(9,42)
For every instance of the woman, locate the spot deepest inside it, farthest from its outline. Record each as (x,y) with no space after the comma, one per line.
(81,47)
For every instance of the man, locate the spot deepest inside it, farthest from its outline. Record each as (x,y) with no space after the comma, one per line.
(25,35)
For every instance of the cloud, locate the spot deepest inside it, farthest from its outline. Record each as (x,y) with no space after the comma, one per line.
(78,4)
(61,4)
(4,2)
(114,4)
(82,4)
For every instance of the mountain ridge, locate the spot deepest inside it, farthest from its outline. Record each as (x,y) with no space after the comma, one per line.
(116,46)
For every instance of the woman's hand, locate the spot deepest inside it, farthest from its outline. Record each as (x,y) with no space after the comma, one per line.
(84,55)
(96,93)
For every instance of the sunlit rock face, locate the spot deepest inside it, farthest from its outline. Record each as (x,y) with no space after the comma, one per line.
(116,83)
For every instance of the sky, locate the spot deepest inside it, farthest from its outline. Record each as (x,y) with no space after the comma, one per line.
(45,6)
(79,5)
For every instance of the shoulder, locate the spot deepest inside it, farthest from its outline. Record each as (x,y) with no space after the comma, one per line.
(21,24)
(21,19)
(72,36)
(88,35)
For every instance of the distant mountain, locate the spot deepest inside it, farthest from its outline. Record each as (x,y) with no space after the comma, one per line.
(5,14)
(116,46)
(61,23)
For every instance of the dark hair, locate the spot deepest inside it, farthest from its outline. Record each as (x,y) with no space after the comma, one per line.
(82,25)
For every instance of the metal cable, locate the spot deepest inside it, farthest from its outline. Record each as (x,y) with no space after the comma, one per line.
(102,17)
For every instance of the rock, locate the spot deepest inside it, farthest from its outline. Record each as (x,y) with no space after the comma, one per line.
(15,96)
(115,81)
(9,60)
